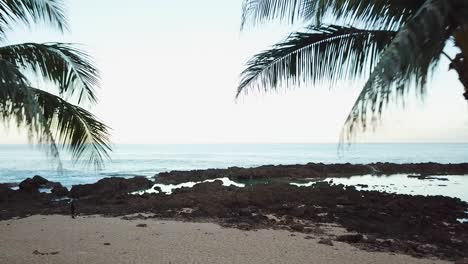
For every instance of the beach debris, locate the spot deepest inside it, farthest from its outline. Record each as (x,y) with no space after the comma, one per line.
(142,225)
(37,252)
(326,241)
(107,244)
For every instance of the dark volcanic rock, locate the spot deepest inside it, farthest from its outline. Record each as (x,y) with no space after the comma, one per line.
(39,180)
(60,191)
(32,185)
(110,186)
(29,185)
(312,170)
(298,211)
(350,238)
(5,192)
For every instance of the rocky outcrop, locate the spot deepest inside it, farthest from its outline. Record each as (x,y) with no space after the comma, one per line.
(33,185)
(311,170)
(5,191)
(110,186)
(60,191)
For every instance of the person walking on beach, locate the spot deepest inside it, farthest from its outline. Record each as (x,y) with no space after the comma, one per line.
(72,208)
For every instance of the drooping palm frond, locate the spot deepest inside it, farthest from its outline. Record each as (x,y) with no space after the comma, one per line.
(69,68)
(32,11)
(406,63)
(51,119)
(324,53)
(19,105)
(77,129)
(368,13)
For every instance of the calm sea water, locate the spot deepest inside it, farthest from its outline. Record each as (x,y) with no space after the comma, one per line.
(20,161)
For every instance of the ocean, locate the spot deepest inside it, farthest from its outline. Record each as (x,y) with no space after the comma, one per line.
(18,162)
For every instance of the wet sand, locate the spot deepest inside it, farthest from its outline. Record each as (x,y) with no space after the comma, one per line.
(93,239)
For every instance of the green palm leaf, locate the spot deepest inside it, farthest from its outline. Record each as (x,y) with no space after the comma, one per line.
(69,68)
(324,53)
(49,118)
(365,13)
(406,63)
(19,105)
(77,129)
(32,11)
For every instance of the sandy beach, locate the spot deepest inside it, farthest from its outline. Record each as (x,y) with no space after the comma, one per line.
(95,239)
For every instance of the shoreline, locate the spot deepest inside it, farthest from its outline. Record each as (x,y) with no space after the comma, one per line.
(412,225)
(95,239)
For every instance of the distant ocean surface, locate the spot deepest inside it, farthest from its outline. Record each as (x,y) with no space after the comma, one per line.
(18,162)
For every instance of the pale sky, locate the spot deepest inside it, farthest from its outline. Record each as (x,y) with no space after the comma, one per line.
(170,71)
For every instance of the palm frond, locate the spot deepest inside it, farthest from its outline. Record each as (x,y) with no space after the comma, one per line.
(406,63)
(77,129)
(324,53)
(51,119)
(69,68)
(365,13)
(32,11)
(19,105)
(257,11)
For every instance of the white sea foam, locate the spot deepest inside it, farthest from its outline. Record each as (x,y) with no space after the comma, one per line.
(454,186)
(169,188)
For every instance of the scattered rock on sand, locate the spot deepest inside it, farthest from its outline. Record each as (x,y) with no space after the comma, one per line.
(297,227)
(325,241)
(142,225)
(352,238)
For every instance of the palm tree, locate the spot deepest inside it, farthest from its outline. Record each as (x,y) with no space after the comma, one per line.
(395,44)
(54,120)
